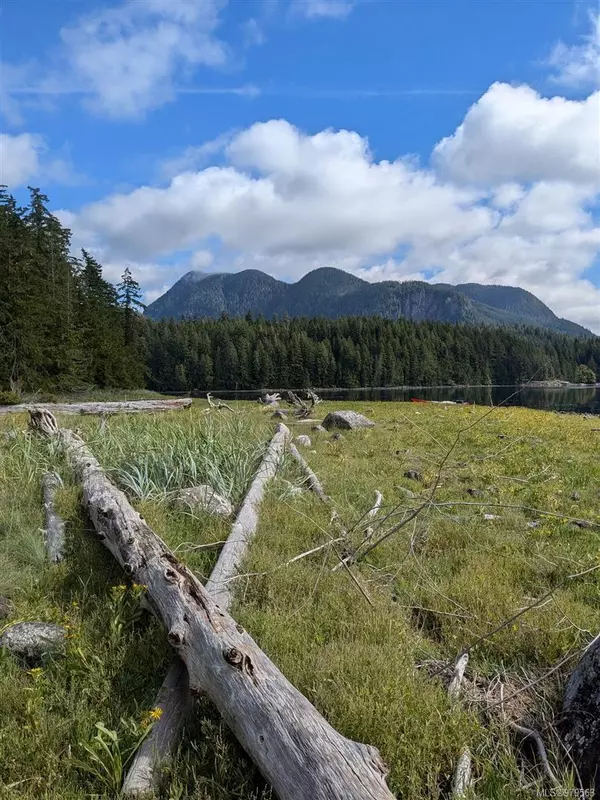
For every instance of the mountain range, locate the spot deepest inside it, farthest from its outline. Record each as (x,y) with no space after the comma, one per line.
(333,293)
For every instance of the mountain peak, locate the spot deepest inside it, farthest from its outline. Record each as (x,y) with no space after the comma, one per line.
(333,293)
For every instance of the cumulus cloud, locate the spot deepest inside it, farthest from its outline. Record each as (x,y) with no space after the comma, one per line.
(514,134)
(25,157)
(579,65)
(332,9)
(126,57)
(19,157)
(506,201)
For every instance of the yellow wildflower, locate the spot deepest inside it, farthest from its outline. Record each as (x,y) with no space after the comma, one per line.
(155,713)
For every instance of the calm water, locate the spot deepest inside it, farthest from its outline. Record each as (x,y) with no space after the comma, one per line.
(580,400)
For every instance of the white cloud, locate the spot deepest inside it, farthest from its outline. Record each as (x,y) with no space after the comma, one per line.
(24,157)
(127,56)
(287,202)
(253,33)
(19,157)
(313,9)
(579,65)
(514,134)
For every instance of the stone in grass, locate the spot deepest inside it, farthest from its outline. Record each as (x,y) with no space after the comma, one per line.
(475,492)
(6,607)
(575,496)
(337,436)
(279,415)
(203,498)
(33,641)
(347,420)
(304,440)
(413,475)
(319,429)
(583,523)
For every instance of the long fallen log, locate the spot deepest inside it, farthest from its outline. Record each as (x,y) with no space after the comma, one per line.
(54,527)
(176,704)
(174,699)
(293,746)
(113,407)
(246,522)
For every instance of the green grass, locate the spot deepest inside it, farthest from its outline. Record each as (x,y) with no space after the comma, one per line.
(439,584)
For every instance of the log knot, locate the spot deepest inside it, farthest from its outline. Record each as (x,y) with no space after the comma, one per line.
(240,661)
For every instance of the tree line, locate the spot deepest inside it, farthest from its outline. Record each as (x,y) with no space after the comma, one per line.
(61,323)
(63,326)
(247,353)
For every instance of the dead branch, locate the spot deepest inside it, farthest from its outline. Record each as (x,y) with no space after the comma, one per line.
(54,529)
(218,404)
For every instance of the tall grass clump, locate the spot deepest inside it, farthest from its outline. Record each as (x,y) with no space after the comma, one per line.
(153,457)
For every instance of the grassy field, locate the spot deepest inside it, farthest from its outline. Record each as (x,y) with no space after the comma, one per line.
(499,495)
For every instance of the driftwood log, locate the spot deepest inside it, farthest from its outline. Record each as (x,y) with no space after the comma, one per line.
(293,746)
(174,699)
(246,522)
(580,728)
(120,407)
(54,528)
(176,704)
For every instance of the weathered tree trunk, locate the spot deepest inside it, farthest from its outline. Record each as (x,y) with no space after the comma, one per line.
(120,407)
(246,522)
(174,698)
(176,704)
(580,727)
(294,747)
(54,530)
(313,482)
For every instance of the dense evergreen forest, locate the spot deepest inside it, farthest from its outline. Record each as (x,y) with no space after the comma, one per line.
(62,327)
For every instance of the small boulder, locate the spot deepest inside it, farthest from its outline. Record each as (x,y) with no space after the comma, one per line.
(575,496)
(304,440)
(279,415)
(6,607)
(319,429)
(347,420)
(583,523)
(475,492)
(533,524)
(337,436)
(203,498)
(33,641)
(413,475)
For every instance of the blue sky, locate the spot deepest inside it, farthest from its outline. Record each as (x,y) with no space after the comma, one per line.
(451,140)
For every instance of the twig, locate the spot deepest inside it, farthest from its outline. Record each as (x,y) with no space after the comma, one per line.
(531,733)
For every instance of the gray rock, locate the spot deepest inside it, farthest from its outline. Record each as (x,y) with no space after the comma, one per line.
(406,492)
(279,415)
(304,440)
(203,498)
(575,496)
(337,436)
(33,641)
(10,436)
(6,607)
(583,523)
(413,475)
(347,420)
(319,429)
(533,524)
(475,492)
